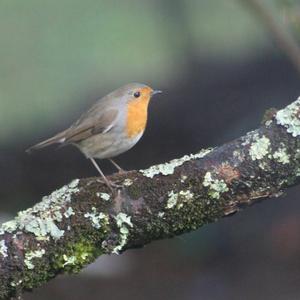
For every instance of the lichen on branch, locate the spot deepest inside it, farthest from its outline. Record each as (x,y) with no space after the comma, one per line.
(79,222)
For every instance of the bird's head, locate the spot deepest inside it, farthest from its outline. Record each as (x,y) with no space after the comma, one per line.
(137,93)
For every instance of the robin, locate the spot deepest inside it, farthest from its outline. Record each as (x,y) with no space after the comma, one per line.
(113,125)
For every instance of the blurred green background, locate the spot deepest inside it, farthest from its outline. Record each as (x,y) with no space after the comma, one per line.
(53,53)
(220,68)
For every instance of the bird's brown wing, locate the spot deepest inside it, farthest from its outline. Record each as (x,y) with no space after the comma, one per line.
(90,125)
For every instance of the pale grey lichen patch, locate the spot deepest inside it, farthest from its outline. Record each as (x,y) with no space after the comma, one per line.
(260,147)
(281,155)
(168,168)
(127,182)
(178,199)
(289,118)
(297,155)
(14,284)
(239,156)
(122,221)
(297,172)
(263,165)
(9,227)
(216,186)
(69,212)
(42,219)
(3,248)
(29,256)
(57,215)
(69,260)
(74,184)
(172,200)
(96,218)
(282,182)
(268,123)
(61,195)
(183,178)
(124,232)
(246,141)
(122,218)
(40,225)
(73,260)
(248,137)
(104,196)
(188,195)
(161,214)
(184,196)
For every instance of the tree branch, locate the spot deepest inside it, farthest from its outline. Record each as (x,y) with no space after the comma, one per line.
(77,223)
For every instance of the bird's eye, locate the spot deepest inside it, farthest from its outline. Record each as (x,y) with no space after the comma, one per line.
(137,94)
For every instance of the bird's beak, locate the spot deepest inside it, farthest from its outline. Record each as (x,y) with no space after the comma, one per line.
(154,92)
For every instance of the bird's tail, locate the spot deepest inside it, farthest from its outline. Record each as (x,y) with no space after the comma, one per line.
(57,139)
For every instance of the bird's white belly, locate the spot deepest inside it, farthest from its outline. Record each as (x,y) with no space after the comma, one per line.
(107,146)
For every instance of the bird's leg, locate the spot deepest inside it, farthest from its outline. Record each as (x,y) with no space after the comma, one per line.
(108,183)
(117,166)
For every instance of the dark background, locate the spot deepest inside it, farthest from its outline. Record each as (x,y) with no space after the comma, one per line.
(219,69)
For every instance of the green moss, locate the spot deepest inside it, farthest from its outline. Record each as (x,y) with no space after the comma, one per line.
(37,273)
(134,191)
(76,255)
(31,256)
(189,217)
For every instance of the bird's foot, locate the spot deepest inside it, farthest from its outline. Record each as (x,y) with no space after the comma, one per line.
(112,185)
(122,171)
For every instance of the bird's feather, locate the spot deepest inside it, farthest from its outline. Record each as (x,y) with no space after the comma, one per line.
(88,125)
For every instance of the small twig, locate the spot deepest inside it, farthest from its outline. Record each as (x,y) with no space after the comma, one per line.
(284,39)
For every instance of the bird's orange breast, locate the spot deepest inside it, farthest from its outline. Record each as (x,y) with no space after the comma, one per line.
(137,113)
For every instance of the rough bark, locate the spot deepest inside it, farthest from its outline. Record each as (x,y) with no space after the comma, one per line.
(77,223)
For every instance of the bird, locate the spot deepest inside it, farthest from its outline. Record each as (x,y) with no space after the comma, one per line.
(113,125)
